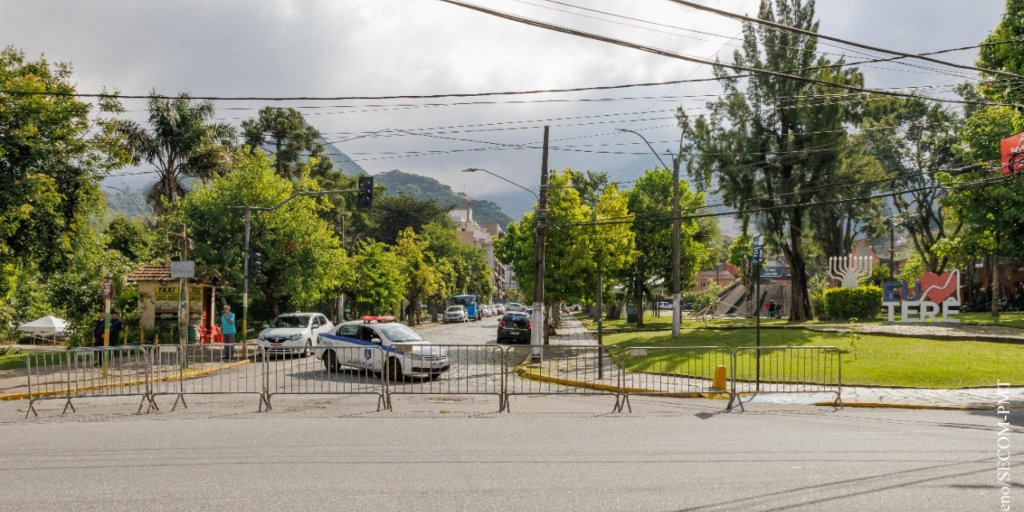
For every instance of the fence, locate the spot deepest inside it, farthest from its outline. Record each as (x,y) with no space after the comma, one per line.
(88,373)
(761,370)
(563,369)
(334,371)
(471,370)
(245,368)
(181,370)
(682,372)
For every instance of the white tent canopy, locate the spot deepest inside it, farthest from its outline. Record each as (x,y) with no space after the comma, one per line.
(45,325)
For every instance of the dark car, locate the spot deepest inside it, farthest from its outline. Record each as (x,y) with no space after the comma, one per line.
(514,326)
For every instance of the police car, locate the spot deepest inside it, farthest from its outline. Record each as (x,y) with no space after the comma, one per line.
(407,354)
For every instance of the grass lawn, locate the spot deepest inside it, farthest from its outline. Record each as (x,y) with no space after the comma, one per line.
(665,322)
(13,361)
(879,360)
(1006,319)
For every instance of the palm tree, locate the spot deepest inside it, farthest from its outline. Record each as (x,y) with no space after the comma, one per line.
(180,143)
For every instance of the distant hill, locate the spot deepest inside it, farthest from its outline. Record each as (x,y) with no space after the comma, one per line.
(341,160)
(422,187)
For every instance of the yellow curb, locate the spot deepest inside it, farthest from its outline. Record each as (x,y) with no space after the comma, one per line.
(187,375)
(605,387)
(879,405)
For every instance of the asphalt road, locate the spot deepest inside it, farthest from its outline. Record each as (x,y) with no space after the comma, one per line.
(456,453)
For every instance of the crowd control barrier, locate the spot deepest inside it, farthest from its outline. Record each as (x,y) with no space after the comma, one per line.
(446,370)
(683,372)
(180,370)
(563,369)
(344,370)
(803,370)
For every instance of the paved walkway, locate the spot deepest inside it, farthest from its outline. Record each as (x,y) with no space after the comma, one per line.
(574,333)
(952,331)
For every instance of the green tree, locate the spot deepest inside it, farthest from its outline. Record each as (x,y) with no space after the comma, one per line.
(741,252)
(613,245)
(650,202)
(180,144)
(133,239)
(421,279)
(376,284)
(285,130)
(1001,51)
(304,260)
(391,215)
(776,143)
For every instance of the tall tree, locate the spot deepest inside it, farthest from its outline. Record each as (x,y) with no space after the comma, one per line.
(613,245)
(305,264)
(390,216)
(375,284)
(776,143)
(421,279)
(289,138)
(181,143)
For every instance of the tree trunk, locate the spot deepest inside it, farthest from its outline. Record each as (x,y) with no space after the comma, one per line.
(801,307)
(994,283)
(638,303)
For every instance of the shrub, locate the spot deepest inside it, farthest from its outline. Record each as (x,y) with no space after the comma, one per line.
(864,302)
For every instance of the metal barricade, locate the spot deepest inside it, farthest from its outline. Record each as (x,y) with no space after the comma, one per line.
(207,369)
(346,370)
(801,370)
(563,369)
(446,370)
(49,378)
(682,372)
(116,371)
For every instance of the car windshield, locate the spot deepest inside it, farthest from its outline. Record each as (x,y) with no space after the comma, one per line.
(290,321)
(397,333)
(452,309)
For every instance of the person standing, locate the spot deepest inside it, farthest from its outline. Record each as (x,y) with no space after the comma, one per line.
(227,328)
(116,328)
(97,336)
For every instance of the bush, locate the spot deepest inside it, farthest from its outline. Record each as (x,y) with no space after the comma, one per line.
(864,302)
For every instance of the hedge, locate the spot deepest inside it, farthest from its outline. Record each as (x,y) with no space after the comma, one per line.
(863,303)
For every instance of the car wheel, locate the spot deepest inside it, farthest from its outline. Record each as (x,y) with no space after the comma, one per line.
(330,362)
(308,351)
(395,371)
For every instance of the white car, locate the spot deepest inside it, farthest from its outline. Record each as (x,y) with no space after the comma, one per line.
(407,354)
(515,306)
(293,333)
(456,314)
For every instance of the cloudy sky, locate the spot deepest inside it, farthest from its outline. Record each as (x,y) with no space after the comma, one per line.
(393,47)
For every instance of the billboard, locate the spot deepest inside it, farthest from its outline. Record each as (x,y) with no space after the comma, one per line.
(1012,149)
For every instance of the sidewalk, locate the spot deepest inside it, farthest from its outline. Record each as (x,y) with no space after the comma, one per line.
(574,333)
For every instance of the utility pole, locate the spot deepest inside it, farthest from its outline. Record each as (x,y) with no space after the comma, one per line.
(892,245)
(183,306)
(676,226)
(537,335)
(245,282)
(108,293)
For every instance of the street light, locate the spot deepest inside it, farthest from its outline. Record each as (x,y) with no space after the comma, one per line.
(475,169)
(676,312)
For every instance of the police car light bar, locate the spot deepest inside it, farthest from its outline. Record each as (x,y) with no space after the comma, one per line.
(369,319)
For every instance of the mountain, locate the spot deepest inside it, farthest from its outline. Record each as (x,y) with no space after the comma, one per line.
(422,187)
(340,160)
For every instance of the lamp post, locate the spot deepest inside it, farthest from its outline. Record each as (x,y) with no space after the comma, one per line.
(676,227)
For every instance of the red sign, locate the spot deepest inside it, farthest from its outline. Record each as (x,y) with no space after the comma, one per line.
(1012,149)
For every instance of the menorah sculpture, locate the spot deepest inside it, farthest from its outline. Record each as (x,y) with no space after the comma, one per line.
(849,269)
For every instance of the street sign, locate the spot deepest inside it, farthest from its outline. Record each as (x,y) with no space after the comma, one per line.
(757,257)
(108,290)
(183,269)
(774,273)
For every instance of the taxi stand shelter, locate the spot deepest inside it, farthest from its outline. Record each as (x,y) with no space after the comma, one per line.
(158,300)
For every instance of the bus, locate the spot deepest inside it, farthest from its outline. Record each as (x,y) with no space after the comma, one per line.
(468,302)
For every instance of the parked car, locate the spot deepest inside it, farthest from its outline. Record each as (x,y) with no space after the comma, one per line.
(456,314)
(514,326)
(294,333)
(407,354)
(485,310)
(500,308)
(515,306)
(664,305)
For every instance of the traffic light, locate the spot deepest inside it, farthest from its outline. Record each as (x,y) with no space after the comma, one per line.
(256,264)
(364,197)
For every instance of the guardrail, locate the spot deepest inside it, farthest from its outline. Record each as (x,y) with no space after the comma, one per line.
(447,370)
(181,370)
(562,370)
(333,371)
(683,372)
(764,370)
(245,368)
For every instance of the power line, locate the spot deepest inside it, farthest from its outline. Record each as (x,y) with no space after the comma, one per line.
(787,28)
(689,58)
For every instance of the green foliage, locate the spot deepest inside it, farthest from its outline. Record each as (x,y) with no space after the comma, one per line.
(133,239)
(391,215)
(376,284)
(913,269)
(864,302)
(304,262)
(1006,57)
(180,143)
(52,157)
(421,279)
(771,143)
(879,275)
(284,132)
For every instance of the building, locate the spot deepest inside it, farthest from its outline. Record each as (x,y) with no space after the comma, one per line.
(158,299)
(483,236)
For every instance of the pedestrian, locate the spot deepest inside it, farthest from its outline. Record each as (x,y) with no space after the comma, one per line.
(767,310)
(116,327)
(97,336)
(227,329)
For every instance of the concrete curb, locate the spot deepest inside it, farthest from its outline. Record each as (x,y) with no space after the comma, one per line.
(879,405)
(187,375)
(606,387)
